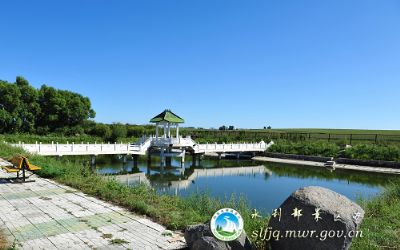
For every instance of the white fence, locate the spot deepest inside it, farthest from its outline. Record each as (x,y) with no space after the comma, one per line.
(81,149)
(232,147)
(177,142)
(140,148)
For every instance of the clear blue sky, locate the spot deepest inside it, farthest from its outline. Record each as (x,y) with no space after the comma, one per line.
(319,64)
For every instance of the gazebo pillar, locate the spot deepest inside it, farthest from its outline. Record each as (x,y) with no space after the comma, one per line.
(165,130)
(177,132)
(157,131)
(169,130)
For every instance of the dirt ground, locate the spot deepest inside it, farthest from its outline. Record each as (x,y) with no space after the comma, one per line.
(3,241)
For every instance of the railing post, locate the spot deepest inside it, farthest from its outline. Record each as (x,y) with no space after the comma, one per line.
(37,149)
(87,147)
(72,146)
(115,146)
(40,146)
(56,146)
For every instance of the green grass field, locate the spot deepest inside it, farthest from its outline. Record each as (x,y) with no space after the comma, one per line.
(333,131)
(347,136)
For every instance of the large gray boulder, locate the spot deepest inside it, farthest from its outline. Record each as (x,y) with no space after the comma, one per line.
(200,237)
(339,218)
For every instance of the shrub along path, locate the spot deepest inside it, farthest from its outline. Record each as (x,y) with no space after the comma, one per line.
(46,215)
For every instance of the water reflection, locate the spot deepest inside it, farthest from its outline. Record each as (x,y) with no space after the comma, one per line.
(176,176)
(264,185)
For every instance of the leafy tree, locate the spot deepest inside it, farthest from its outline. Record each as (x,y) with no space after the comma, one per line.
(136,131)
(118,131)
(29,107)
(26,109)
(61,108)
(88,127)
(10,104)
(5,121)
(102,130)
(21,81)
(54,111)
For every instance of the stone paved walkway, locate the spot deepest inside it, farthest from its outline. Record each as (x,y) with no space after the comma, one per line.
(46,215)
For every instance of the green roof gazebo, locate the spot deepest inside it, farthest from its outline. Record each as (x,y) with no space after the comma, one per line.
(166,119)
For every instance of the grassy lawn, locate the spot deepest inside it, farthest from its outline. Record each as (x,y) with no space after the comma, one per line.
(334,131)
(348,136)
(381,224)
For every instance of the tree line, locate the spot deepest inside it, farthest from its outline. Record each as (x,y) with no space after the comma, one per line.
(47,110)
(25,109)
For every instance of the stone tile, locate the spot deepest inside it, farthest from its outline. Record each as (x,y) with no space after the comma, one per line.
(47,215)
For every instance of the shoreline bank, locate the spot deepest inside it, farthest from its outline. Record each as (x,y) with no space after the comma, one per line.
(321,164)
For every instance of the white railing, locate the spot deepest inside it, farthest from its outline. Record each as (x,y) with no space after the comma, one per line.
(139,148)
(232,147)
(75,149)
(178,142)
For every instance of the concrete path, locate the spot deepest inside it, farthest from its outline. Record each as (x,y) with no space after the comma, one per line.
(4,163)
(46,215)
(321,164)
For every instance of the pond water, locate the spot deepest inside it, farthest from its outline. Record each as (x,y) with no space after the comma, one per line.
(265,185)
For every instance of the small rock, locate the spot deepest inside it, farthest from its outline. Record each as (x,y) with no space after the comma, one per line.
(200,237)
(337,215)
